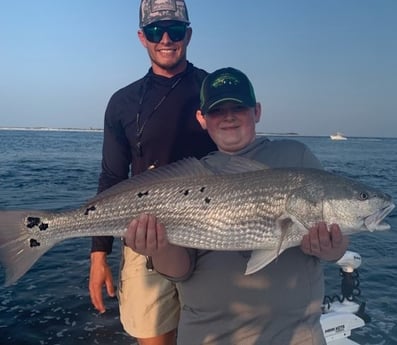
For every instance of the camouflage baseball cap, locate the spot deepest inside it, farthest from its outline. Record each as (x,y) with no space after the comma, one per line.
(226,84)
(152,11)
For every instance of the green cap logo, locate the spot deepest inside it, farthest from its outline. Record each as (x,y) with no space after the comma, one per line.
(225,79)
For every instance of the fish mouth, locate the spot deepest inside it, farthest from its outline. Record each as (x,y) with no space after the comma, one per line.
(375,221)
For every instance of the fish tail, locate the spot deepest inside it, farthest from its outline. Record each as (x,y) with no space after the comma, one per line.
(18,248)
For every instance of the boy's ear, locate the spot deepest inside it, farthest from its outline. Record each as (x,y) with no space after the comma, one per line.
(258,112)
(201,119)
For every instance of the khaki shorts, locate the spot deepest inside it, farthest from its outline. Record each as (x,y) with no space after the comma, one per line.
(148,302)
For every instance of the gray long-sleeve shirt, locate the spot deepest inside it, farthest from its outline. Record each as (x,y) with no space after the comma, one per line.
(278,305)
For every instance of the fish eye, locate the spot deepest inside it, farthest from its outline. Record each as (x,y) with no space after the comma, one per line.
(364,196)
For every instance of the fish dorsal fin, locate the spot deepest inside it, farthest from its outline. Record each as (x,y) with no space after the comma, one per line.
(238,164)
(188,167)
(222,163)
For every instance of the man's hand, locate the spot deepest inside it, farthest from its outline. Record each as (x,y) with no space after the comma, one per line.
(329,245)
(100,275)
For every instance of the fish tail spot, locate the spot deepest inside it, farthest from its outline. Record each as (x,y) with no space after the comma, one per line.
(32,222)
(202,189)
(34,243)
(43,226)
(207,200)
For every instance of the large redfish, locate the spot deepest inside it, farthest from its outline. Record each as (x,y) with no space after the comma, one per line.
(265,210)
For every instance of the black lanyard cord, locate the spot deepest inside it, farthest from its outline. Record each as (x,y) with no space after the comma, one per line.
(139,127)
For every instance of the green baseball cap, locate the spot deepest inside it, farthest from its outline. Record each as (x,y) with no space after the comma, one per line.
(226,84)
(152,11)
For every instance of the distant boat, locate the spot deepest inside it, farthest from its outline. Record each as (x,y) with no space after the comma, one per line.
(338,136)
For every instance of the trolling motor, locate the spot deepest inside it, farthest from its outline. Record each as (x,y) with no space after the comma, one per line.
(342,313)
(350,281)
(350,287)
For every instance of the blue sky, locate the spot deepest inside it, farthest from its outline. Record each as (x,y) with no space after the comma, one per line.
(318,66)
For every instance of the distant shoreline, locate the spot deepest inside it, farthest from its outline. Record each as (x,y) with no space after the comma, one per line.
(49,129)
(101,130)
(289,134)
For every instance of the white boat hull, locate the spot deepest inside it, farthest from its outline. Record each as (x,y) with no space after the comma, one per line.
(338,136)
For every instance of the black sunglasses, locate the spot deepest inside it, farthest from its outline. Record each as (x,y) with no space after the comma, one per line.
(154,33)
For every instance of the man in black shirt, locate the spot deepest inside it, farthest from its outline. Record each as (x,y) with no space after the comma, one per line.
(149,123)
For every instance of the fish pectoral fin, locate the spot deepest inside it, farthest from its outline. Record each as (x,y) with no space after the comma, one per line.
(286,226)
(260,258)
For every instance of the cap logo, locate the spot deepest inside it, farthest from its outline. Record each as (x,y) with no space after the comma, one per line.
(224,80)
(162,5)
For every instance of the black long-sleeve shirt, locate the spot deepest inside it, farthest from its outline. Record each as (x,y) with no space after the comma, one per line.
(167,128)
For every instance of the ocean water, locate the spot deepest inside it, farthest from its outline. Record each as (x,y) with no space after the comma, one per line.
(59,170)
